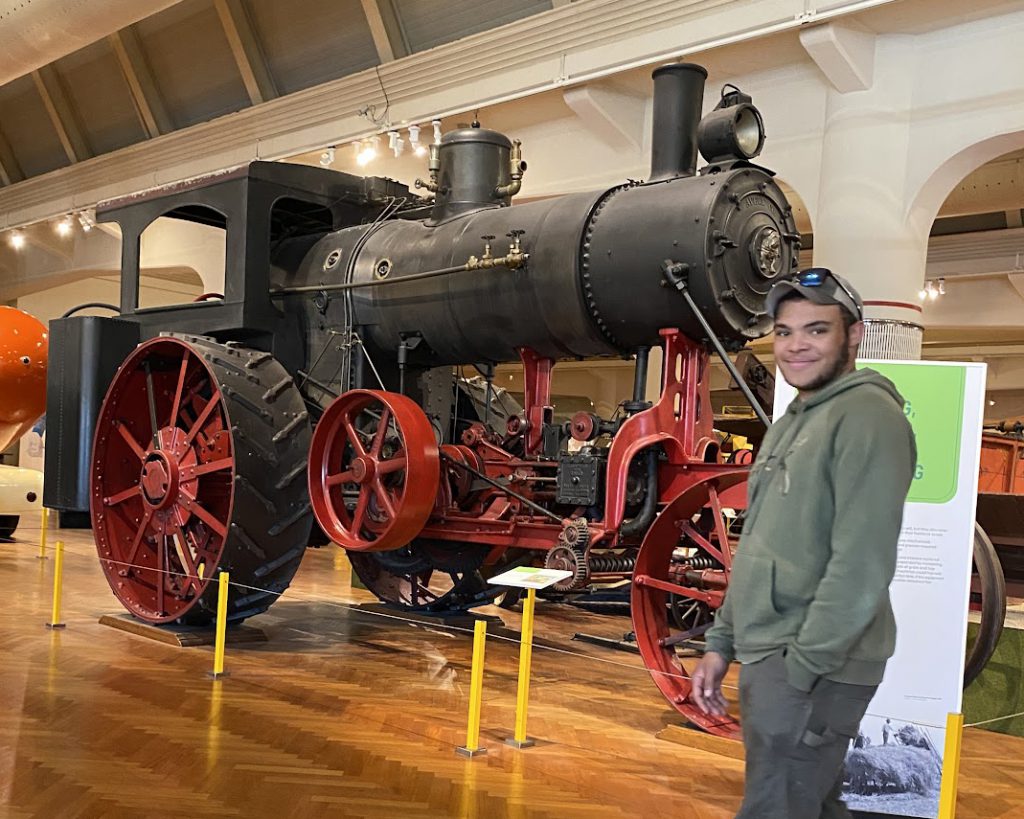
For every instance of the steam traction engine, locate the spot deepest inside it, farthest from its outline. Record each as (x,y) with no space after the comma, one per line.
(349,305)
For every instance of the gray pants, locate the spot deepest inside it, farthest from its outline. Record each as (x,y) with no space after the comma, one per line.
(796,743)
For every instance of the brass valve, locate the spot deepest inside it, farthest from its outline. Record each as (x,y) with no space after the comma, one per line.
(514,259)
(434,167)
(515,256)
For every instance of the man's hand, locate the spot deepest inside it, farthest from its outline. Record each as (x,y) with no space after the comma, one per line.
(707,684)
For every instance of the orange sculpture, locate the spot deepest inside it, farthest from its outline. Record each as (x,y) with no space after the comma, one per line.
(24,347)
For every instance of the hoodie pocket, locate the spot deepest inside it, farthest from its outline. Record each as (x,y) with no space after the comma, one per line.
(878,642)
(753,584)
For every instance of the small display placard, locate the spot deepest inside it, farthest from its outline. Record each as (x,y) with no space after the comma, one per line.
(527,577)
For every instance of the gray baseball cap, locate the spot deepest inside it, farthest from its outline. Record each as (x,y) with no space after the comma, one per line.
(820,285)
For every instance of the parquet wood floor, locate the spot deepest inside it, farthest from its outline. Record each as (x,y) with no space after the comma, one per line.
(345,714)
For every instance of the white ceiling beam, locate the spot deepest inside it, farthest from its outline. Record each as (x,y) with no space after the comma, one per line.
(245,48)
(845,53)
(549,51)
(975,254)
(61,114)
(612,115)
(386,28)
(149,104)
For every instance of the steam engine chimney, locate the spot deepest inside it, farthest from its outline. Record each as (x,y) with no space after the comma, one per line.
(678,98)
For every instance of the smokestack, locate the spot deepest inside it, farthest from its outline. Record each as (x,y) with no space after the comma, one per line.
(678,98)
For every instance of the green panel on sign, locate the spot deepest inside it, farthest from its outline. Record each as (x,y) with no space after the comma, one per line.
(934,396)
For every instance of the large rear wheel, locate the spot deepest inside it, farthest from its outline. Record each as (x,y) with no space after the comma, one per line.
(679,579)
(198,465)
(990,600)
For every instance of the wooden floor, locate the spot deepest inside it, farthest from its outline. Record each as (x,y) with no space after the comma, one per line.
(345,714)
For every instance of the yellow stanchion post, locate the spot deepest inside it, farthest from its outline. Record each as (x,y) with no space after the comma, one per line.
(951,766)
(222,627)
(476,692)
(520,740)
(42,533)
(58,569)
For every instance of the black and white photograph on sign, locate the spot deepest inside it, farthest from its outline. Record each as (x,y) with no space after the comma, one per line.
(894,767)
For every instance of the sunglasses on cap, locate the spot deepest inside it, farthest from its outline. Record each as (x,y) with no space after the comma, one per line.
(817,276)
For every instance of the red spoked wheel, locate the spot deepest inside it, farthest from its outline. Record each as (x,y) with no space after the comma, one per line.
(683,565)
(197,464)
(374,470)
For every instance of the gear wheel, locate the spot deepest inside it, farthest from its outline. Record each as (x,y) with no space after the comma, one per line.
(576,534)
(568,559)
(570,555)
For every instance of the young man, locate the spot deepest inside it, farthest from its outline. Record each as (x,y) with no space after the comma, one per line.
(807,612)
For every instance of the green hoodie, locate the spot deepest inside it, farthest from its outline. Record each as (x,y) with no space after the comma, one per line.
(812,571)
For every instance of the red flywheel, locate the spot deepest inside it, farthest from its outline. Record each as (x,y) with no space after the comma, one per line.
(374,470)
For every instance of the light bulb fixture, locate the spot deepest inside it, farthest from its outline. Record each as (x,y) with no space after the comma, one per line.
(932,290)
(327,157)
(86,221)
(64,226)
(395,143)
(437,131)
(17,239)
(369,151)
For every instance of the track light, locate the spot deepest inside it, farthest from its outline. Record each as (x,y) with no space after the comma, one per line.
(418,148)
(86,221)
(369,151)
(64,227)
(932,290)
(395,143)
(17,239)
(327,157)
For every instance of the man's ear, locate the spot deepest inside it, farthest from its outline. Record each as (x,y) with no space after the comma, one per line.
(856,333)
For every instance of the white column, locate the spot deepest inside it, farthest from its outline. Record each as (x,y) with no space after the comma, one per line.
(861,231)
